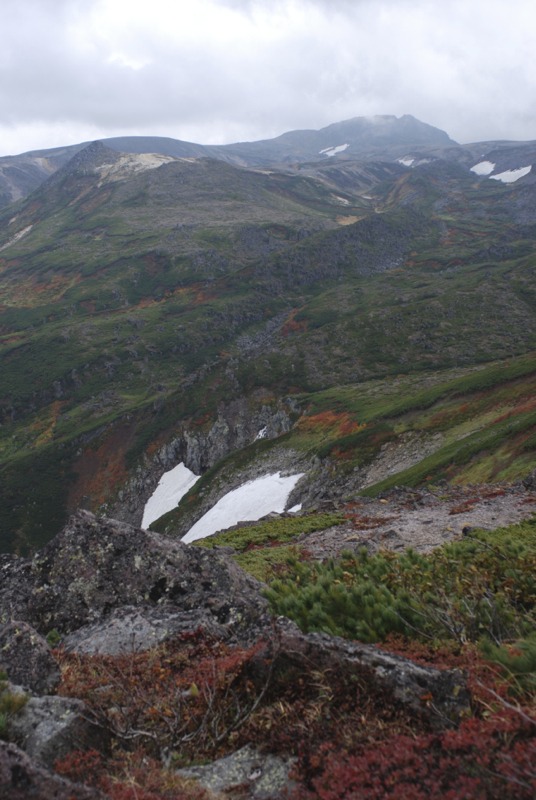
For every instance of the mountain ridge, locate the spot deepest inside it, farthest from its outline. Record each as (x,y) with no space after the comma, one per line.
(141,293)
(23,173)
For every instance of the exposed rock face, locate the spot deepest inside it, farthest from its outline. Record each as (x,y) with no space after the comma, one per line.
(48,728)
(15,586)
(97,565)
(24,779)
(237,425)
(440,696)
(133,629)
(26,657)
(265,776)
(108,587)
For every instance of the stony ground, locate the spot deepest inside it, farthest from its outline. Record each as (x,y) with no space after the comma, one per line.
(422,519)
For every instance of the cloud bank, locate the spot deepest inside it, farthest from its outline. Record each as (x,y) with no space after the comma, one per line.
(216,71)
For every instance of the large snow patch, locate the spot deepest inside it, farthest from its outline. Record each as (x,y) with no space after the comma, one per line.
(483,168)
(172,486)
(251,501)
(511,175)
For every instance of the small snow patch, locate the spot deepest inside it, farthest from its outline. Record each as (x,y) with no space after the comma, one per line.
(332,151)
(172,486)
(251,501)
(406,162)
(262,434)
(511,175)
(17,236)
(483,168)
(295,509)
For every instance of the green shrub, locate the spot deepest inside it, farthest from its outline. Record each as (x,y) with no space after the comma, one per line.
(282,529)
(518,661)
(481,586)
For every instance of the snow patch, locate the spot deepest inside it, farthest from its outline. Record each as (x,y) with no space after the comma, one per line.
(17,236)
(332,151)
(483,168)
(511,175)
(406,162)
(251,501)
(262,434)
(172,486)
(295,509)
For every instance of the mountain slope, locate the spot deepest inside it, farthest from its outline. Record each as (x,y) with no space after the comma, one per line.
(145,296)
(363,136)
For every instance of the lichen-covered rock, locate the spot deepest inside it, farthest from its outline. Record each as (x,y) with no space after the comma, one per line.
(16,583)
(21,778)
(132,630)
(439,696)
(96,565)
(26,657)
(261,775)
(48,728)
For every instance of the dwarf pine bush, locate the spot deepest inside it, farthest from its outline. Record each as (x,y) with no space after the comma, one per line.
(481,586)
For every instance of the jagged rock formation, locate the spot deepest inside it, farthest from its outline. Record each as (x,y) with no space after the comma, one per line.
(95,566)
(49,728)
(440,696)
(237,425)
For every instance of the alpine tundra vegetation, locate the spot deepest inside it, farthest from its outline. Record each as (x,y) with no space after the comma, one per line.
(268,468)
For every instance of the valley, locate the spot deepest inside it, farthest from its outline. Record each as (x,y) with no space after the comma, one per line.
(321,351)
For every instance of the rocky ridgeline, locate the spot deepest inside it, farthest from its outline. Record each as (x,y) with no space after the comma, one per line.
(103,586)
(236,426)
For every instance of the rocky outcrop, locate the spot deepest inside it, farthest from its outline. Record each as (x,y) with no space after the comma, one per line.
(262,775)
(132,629)
(95,566)
(109,588)
(237,425)
(26,658)
(48,728)
(440,696)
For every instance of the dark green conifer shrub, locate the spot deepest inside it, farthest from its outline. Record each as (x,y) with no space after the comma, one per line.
(483,586)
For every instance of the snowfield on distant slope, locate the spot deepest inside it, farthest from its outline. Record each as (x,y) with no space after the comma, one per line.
(511,175)
(251,501)
(171,487)
(332,151)
(483,168)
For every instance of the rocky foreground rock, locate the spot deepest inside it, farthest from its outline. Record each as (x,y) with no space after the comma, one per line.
(96,566)
(103,586)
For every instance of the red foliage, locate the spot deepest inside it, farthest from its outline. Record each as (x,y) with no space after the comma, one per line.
(469,502)
(127,776)
(522,408)
(482,759)
(340,424)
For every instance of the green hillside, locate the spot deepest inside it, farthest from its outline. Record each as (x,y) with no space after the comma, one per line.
(137,300)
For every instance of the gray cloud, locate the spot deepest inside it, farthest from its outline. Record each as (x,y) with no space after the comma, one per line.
(223,70)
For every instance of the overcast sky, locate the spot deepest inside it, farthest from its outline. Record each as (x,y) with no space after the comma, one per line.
(217,71)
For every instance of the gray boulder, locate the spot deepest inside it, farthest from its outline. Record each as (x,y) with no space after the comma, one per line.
(16,583)
(266,776)
(48,728)
(439,696)
(134,629)
(27,659)
(96,565)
